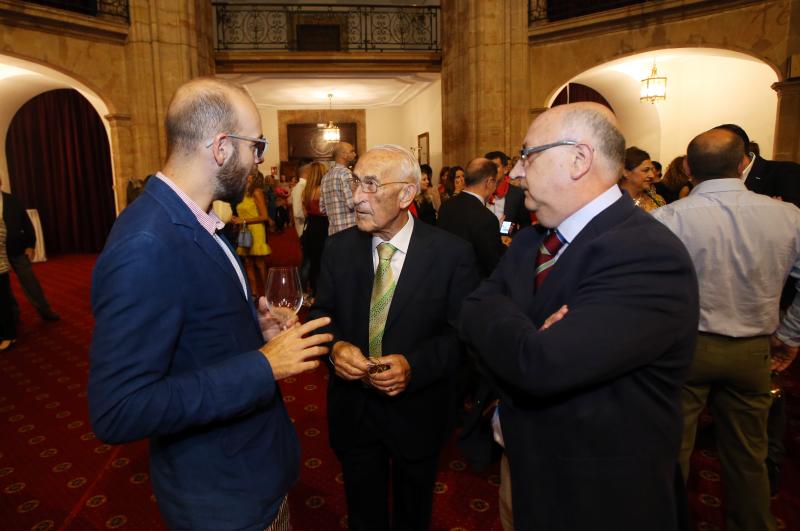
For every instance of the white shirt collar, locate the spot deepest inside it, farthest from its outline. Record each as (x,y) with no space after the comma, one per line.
(573,225)
(401,240)
(482,200)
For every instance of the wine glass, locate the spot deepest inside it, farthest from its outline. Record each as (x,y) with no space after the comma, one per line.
(284,294)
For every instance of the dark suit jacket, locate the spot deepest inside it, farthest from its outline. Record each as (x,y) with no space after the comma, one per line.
(174,357)
(775,178)
(591,415)
(20,233)
(514,207)
(467,217)
(438,272)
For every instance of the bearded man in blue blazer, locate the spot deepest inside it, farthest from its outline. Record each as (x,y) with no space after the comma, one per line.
(590,412)
(178,353)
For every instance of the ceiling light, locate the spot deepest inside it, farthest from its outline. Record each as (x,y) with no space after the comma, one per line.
(654,88)
(330,133)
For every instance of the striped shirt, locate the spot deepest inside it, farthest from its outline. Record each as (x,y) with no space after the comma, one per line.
(336,200)
(210,223)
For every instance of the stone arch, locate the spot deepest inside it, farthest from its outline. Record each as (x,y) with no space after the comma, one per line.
(706,87)
(22,79)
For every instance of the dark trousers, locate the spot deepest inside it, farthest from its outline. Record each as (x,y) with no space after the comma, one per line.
(30,285)
(313,243)
(7,328)
(368,466)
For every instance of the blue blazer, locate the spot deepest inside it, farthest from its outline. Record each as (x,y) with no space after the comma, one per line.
(591,411)
(174,357)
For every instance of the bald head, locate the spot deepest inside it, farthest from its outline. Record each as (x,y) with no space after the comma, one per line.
(478,171)
(343,153)
(199,110)
(715,154)
(597,125)
(576,154)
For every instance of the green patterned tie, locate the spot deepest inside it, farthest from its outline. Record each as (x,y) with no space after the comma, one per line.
(382,291)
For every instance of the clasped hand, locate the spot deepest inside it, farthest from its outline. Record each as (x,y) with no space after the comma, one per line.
(351,364)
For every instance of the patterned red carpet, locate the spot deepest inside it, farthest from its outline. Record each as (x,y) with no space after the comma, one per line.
(54,474)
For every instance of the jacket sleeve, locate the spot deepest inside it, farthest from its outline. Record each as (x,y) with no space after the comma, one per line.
(438,356)
(134,392)
(620,311)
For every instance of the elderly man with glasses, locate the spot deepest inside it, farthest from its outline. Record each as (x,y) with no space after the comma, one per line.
(393,288)
(590,408)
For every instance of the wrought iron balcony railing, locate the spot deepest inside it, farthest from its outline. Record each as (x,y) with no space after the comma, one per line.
(116,10)
(316,27)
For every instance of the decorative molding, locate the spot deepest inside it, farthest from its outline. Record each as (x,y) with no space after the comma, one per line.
(625,18)
(41,18)
(258,62)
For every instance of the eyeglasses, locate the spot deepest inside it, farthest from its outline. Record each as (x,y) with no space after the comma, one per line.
(370,185)
(260,144)
(524,153)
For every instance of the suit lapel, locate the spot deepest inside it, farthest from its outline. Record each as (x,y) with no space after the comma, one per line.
(554,285)
(182,216)
(417,262)
(364,276)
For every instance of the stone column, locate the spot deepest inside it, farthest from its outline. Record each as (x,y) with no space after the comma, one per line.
(787,123)
(484,77)
(169,43)
(121,162)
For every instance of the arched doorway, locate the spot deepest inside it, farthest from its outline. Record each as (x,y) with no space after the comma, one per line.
(59,163)
(705,87)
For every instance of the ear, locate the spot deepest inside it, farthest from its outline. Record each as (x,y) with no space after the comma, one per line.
(581,161)
(219,146)
(743,164)
(688,171)
(407,194)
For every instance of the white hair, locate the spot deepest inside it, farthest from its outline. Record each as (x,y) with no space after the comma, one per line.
(409,166)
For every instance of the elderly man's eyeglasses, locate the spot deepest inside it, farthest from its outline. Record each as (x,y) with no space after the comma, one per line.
(524,153)
(260,144)
(370,185)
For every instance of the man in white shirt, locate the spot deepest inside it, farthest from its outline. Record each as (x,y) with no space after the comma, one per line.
(744,246)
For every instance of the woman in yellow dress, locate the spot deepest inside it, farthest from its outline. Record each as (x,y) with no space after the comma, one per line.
(253,212)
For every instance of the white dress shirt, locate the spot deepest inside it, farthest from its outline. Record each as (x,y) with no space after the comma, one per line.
(743,246)
(401,241)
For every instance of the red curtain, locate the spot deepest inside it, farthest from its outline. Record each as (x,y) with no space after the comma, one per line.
(60,164)
(576,92)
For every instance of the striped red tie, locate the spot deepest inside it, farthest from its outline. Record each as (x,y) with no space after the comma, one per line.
(546,256)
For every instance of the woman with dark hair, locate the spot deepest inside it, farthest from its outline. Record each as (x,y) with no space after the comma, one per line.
(454,183)
(637,178)
(316,230)
(675,184)
(442,180)
(427,200)
(252,212)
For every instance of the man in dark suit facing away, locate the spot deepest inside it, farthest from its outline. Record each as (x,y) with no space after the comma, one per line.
(393,288)
(508,201)
(590,415)
(467,217)
(178,353)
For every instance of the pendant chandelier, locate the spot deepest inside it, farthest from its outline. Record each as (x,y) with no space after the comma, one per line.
(654,87)
(330,133)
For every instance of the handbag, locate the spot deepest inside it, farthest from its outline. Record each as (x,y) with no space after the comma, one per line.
(245,238)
